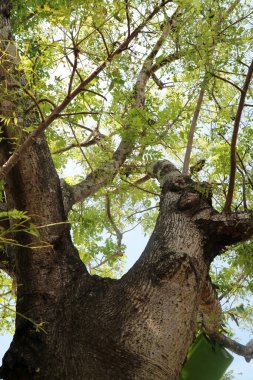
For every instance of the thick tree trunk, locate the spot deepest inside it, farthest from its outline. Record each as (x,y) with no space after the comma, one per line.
(139,327)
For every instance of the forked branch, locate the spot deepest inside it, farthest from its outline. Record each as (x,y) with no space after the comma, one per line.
(104,174)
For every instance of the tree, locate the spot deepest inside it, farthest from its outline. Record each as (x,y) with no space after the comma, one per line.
(123,88)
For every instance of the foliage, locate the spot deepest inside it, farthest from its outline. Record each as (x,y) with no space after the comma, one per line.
(19,223)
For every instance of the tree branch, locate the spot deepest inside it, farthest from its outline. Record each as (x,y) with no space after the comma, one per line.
(202,92)
(83,144)
(164,171)
(169,59)
(227,81)
(192,128)
(104,174)
(211,317)
(226,229)
(41,101)
(74,68)
(232,345)
(128,18)
(229,199)
(140,188)
(15,157)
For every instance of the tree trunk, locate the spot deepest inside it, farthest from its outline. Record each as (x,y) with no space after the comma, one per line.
(138,327)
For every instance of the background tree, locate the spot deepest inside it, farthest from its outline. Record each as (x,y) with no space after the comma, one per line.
(121,89)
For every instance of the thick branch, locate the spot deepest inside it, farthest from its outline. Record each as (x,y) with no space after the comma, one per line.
(227,229)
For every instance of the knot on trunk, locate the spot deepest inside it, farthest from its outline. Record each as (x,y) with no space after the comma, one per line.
(189,200)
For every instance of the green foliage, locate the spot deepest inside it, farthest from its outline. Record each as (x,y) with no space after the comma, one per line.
(6,300)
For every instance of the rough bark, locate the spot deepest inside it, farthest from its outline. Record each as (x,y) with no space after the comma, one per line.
(138,327)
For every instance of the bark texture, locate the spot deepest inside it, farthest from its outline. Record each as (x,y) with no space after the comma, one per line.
(138,327)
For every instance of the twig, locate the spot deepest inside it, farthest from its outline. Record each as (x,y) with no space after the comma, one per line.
(231,73)
(106,260)
(71,64)
(227,81)
(96,93)
(36,103)
(78,144)
(235,22)
(41,101)
(142,211)
(74,67)
(83,144)
(245,170)
(79,113)
(241,162)
(141,188)
(104,42)
(82,126)
(242,63)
